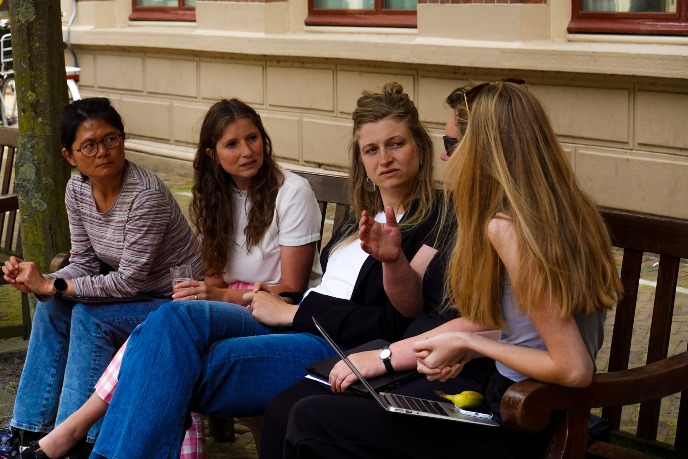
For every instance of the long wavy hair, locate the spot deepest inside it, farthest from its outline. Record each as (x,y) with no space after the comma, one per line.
(211,205)
(509,161)
(392,102)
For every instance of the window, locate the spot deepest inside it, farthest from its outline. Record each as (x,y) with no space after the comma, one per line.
(366,13)
(638,17)
(163,10)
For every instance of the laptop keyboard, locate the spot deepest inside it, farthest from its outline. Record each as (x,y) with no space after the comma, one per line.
(417,404)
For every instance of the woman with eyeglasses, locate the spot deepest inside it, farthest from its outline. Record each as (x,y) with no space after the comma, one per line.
(531,265)
(126,232)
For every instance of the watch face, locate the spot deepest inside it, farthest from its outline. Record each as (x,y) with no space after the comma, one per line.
(385,354)
(60,285)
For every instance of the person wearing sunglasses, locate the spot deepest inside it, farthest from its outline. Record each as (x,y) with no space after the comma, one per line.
(531,266)
(126,231)
(452,132)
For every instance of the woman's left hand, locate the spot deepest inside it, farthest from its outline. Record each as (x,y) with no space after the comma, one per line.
(443,356)
(271,310)
(368,364)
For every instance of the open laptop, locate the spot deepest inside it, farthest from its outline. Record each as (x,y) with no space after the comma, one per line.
(414,406)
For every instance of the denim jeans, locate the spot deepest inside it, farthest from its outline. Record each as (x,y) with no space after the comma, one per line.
(71,345)
(202,356)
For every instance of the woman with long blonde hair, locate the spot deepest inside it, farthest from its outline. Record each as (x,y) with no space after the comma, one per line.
(531,266)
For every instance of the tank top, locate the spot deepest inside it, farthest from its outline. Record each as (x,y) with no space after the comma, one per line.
(519,330)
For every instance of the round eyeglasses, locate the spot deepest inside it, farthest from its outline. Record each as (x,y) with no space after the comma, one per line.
(110,141)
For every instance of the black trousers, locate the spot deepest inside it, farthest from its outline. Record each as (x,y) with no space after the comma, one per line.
(308,421)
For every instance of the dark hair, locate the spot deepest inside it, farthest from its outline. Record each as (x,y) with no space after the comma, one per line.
(211,205)
(91,108)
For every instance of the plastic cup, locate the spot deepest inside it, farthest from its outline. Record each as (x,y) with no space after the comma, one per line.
(180,274)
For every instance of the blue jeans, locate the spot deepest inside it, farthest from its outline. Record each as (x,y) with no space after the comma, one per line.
(202,356)
(71,345)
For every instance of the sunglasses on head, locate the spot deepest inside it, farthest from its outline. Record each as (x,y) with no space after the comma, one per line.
(450,144)
(472,91)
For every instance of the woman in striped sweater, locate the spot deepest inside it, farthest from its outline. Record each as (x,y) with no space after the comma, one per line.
(126,232)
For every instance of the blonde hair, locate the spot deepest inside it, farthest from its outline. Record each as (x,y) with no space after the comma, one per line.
(510,161)
(392,102)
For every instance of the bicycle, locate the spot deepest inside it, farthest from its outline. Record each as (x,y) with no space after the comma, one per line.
(9,112)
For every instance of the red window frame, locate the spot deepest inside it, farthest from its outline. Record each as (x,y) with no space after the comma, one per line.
(377,17)
(158,13)
(641,23)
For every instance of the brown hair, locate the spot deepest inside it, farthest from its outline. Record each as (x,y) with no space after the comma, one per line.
(211,205)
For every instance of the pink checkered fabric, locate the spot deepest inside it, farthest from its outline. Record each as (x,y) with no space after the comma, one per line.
(193,446)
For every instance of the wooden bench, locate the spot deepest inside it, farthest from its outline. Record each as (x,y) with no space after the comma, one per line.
(532,405)
(10,235)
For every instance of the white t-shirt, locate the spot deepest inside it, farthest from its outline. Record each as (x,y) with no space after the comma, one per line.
(343,268)
(296,222)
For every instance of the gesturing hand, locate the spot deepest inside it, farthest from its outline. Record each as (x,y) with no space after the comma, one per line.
(382,241)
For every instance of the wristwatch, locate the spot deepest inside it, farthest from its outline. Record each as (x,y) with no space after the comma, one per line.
(59,286)
(386,357)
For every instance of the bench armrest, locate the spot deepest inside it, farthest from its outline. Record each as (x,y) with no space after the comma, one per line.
(528,405)
(9,203)
(59,261)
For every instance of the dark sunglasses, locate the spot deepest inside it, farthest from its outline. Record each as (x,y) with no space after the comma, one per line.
(469,92)
(450,144)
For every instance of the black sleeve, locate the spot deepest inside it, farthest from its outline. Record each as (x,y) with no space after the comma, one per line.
(349,323)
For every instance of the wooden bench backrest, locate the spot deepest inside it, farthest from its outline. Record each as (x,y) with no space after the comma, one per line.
(10,235)
(329,189)
(640,234)
(10,241)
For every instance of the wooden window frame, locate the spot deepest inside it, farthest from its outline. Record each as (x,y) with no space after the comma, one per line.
(641,23)
(377,17)
(156,13)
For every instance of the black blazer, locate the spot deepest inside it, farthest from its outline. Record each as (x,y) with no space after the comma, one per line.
(369,314)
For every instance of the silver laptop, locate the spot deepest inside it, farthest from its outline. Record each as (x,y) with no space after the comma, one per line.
(414,406)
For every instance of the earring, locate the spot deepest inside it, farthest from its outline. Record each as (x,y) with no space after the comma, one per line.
(369,185)
(420,163)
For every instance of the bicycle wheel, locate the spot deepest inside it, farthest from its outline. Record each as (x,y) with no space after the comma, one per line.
(10,113)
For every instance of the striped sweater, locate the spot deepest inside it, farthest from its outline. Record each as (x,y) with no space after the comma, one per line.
(141,236)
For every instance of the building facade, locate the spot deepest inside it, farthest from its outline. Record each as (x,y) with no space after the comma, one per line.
(618,100)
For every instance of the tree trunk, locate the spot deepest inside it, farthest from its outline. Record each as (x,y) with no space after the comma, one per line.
(41,173)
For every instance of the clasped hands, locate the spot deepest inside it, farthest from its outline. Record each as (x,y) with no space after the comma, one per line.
(26,277)
(269,308)
(439,358)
